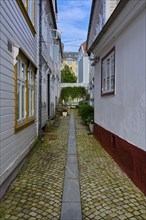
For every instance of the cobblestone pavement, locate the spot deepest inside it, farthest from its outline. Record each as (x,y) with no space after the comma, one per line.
(106,192)
(37,191)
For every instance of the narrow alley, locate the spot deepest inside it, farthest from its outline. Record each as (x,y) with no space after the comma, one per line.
(37,192)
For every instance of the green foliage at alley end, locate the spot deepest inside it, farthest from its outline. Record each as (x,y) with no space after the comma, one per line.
(71,93)
(67,75)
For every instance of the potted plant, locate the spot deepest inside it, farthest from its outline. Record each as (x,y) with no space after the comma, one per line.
(90,121)
(64,111)
(87,114)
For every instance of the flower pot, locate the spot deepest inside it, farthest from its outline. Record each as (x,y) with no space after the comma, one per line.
(91,128)
(64,114)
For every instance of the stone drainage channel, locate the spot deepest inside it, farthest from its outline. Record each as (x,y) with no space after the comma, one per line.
(71,200)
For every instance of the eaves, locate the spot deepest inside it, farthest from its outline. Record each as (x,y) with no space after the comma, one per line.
(112,18)
(53,13)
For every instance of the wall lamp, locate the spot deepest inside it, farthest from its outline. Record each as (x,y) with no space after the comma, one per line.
(94,60)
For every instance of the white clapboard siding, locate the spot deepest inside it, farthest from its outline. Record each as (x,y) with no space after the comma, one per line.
(6,134)
(7,103)
(7,111)
(5,87)
(9,153)
(18,32)
(6,126)
(14,28)
(7,74)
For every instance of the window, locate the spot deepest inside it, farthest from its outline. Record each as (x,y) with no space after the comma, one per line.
(31,93)
(28,10)
(21,91)
(31,10)
(24,92)
(25,3)
(44,88)
(108,73)
(54,52)
(69,62)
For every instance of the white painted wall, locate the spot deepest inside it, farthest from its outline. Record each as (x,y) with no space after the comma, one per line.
(51,63)
(85,69)
(44,99)
(13,147)
(124,113)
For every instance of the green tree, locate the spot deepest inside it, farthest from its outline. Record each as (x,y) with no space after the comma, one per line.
(67,75)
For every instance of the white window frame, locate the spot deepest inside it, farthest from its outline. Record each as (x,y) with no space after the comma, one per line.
(53,34)
(108,73)
(31,93)
(24,92)
(21,83)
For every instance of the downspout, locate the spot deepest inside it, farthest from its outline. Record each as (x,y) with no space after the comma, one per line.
(40,69)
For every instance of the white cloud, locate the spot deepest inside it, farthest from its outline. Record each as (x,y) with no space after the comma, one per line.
(73,22)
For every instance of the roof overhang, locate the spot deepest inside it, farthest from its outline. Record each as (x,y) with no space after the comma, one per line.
(53,13)
(112,18)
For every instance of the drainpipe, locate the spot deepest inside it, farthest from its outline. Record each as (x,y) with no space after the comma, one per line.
(40,70)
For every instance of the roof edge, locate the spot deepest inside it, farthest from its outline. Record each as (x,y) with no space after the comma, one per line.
(90,21)
(53,14)
(114,15)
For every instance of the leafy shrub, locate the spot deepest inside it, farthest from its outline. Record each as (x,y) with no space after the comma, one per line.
(86,112)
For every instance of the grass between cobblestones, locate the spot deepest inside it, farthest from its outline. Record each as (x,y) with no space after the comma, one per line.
(106,192)
(36,192)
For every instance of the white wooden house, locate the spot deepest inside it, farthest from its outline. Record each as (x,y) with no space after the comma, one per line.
(18,68)
(51,60)
(26,85)
(119,52)
(83,65)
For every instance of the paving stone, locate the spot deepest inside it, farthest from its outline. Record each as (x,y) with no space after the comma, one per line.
(71,191)
(71,171)
(71,211)
(72,150)
(72,158)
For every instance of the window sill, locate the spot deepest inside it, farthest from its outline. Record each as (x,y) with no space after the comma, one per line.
(26,16)
(24,125)
(108,93)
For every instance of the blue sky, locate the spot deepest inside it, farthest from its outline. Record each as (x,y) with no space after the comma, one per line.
(73,22)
